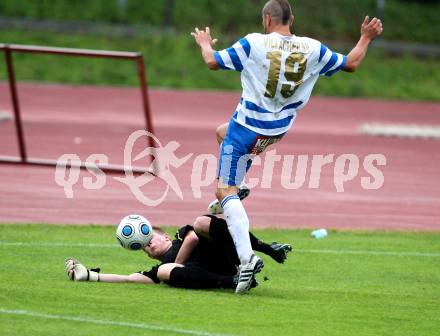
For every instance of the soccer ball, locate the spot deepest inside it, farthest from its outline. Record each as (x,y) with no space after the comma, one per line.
(134,232)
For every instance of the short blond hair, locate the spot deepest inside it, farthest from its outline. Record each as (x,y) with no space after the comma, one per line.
(159,230)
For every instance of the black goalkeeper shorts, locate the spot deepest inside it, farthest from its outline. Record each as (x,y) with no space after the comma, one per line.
(218,254)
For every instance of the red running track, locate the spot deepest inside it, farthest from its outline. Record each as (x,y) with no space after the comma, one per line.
(86,120)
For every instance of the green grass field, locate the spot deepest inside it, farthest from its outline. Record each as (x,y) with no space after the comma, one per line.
(351,283)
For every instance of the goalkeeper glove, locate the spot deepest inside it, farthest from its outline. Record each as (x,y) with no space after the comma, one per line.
(78,272)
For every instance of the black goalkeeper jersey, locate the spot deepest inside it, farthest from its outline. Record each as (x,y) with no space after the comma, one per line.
(171,254)
(217,254)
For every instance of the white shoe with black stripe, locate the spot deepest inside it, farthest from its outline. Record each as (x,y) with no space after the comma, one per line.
(247,273)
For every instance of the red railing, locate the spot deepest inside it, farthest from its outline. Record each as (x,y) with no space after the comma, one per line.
(9,49)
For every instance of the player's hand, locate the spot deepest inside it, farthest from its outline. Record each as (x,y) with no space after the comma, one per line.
(371,29)
(78,272)
(203,37)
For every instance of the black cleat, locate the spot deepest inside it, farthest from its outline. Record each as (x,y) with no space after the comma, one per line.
(280,251)
(243,192)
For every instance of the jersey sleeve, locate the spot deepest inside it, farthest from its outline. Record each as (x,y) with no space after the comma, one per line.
(235,57)
(183,231)
(330,62)
(152,274)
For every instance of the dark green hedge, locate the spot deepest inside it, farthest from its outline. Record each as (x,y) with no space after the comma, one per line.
(338,20)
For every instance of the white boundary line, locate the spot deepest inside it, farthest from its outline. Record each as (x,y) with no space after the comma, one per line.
(5,116)
(401,130)
(3,243)
(108,322)
(383,253)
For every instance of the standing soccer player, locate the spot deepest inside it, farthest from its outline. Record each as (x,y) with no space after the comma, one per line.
(278,73)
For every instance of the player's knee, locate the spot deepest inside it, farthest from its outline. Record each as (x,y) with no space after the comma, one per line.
(201,225)
(164,271)
(221,192)
(220,132)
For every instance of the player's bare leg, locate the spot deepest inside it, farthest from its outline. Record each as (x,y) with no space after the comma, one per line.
(164,271)
(201,226)
(220,132)
(214,208)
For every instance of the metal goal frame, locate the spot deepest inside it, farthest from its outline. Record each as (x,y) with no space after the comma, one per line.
(10,49)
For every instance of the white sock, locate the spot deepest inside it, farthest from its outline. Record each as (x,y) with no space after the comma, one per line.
(238,225)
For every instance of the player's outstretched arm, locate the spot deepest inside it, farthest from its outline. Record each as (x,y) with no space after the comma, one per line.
(190,242)
(369,31)
(78,272)
(206,42)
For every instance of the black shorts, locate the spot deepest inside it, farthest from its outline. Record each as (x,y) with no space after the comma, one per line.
(218,254)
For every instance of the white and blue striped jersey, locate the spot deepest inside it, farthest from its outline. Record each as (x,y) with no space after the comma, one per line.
(278,74)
